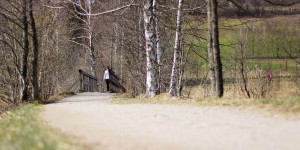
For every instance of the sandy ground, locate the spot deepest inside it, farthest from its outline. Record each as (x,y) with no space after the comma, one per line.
(91,119)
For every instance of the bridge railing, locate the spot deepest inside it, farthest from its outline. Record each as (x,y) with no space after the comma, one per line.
(88,83)
(114,83)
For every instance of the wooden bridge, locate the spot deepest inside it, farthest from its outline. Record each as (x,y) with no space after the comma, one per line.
(89,83)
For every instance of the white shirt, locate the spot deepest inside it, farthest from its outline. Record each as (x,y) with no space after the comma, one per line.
(106,74)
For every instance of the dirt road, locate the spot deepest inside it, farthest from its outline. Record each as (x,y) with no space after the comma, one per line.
(104,126)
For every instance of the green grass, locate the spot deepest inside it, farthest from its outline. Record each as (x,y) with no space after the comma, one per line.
(264,37)
(21,129)
(265,65)
(267,38)
(287,104)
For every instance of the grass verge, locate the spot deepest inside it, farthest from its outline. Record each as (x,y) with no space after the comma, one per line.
(283,106)
(21,128)
(58,97)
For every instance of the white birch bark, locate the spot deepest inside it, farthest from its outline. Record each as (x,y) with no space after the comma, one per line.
(149,26)
(176,57)
(90,36)
(85,9)
(116,44)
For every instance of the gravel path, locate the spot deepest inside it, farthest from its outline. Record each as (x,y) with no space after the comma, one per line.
(101,125)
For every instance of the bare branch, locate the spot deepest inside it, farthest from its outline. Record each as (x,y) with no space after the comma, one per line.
(7,33)
(282,4)
(14,54)
(11,20)
(52,7)
(109,11)
(81,37)
(173,8)
(79,44)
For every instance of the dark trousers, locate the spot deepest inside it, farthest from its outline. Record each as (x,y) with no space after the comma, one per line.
(107,84)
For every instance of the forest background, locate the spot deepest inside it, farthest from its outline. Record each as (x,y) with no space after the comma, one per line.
(43,44)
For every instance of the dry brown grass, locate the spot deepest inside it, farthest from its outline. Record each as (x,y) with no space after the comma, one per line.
(4,107)
(142,99)
(277,88)
(283,101)
(58,97)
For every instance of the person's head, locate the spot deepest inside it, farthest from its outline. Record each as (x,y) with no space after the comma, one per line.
(108,67)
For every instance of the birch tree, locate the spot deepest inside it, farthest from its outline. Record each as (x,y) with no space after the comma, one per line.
(173,91)
(150,36)
(90,36)
(83,12)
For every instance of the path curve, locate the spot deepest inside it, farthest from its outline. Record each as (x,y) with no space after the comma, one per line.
(101,125)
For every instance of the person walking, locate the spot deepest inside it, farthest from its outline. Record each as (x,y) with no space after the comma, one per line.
(106,78)
(270,76)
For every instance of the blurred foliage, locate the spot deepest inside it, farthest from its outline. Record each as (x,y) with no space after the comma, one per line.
(20,129)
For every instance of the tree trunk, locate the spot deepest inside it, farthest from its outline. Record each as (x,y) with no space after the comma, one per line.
(210,54)
(150,47)
(241,57)
(244,79)
(35,82)
(141,52)
(216,50)
(24,90)
(180,73)
(90,37)
(158,47)
(93,59)
(176,57)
